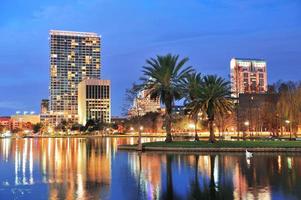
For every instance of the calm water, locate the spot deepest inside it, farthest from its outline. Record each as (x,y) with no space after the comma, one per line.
(94,169)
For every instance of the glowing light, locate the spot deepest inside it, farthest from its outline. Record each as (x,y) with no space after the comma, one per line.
(247,123)
(191,126)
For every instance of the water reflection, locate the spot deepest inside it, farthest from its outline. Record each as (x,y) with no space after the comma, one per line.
(93,169)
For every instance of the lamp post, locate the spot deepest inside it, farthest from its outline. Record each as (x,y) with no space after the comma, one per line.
(288,122)
(247,123)
(140,128)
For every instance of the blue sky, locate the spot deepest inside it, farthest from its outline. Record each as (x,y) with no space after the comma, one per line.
(209,32)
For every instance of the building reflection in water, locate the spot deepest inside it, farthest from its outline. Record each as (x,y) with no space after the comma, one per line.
(71,168)
(85,168)
(215,176)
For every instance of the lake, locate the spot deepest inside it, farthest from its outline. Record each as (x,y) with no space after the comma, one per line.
(93,168)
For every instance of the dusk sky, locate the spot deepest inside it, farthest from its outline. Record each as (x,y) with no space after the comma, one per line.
(209,32)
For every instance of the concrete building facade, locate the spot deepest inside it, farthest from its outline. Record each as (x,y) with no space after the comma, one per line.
(94,101)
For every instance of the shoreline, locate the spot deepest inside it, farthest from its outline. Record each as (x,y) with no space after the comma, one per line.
(186,136)
(207,150)
(219,146)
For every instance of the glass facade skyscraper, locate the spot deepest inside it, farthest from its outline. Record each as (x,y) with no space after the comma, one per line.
(74,56)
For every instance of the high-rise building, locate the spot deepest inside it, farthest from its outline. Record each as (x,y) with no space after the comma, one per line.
(143,104)
(74,56)
(248,76)
(44,106)
(94,101)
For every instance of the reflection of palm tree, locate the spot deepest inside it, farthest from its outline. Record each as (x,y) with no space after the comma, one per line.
(169,193)
(169,177)
(212,184)
(195,191)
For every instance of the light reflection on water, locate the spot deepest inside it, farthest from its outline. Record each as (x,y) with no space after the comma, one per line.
(74,168)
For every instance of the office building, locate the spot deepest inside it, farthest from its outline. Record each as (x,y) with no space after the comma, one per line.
(248,76)
(74,56)
(52,119)
(94,101)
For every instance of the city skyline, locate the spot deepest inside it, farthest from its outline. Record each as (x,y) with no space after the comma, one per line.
(24,81)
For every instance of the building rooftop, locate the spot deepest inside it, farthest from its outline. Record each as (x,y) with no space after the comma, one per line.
(94,81)
(73,33)
(249,59)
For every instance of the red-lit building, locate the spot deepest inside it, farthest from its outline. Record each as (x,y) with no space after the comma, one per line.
(248,76)
(5,123)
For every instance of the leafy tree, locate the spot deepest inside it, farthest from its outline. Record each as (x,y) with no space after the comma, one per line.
(130,95)
(90,125)
(37,127)
(62,126)
(77,127)
(289,103)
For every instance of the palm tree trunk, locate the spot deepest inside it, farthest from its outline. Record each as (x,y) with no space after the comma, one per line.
(196,137)
(168,123)
(211,130)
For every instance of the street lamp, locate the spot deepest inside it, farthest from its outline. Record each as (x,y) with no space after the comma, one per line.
(290,129)
(247,123)
(139,147)
(191,126)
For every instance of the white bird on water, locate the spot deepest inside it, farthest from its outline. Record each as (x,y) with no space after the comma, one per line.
(249,154)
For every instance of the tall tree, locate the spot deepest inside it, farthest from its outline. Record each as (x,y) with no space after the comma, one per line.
(213,98)
(130,95)
(192,88)
(289,104)
(164,77)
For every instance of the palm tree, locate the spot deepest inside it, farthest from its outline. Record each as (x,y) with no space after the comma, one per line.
(164,78)
(192,88)
(213,98)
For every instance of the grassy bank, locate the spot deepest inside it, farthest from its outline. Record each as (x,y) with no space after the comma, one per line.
(226,144)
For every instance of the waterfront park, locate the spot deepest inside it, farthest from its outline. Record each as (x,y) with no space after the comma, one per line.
(203,151)
(208,98)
